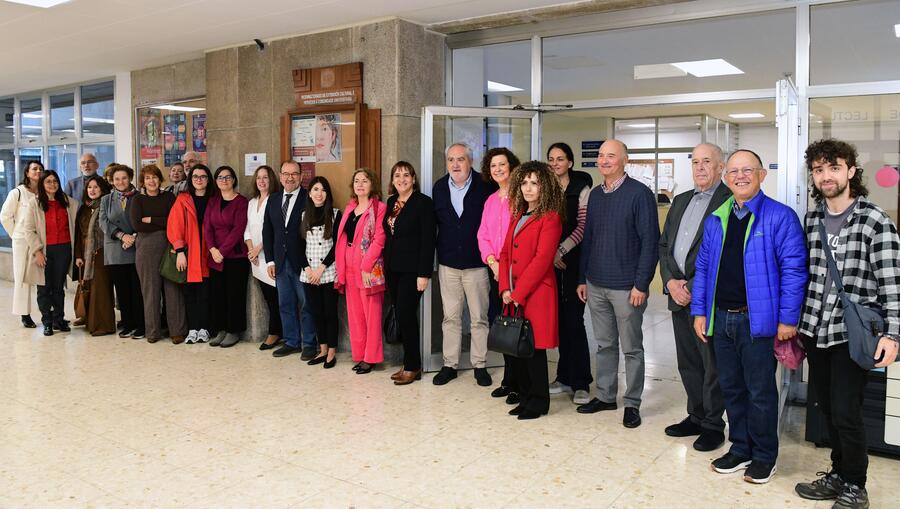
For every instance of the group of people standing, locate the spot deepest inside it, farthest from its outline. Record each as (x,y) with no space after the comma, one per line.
(534,238)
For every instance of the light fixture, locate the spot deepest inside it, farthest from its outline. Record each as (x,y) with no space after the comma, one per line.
(31,115)
(897,29)
(172,107)
(746,115)
(95,120)
(494,87)
(707,68)
(640,126)
(45,4)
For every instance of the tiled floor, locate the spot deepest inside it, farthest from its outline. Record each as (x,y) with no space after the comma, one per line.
(109,422)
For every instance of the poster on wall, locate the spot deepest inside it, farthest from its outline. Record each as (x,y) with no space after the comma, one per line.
(150,135)
(328,138)
(198,133)
(175,137)
(303,138)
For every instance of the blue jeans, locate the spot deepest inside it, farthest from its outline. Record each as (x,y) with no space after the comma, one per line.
(291,298)
(746,368)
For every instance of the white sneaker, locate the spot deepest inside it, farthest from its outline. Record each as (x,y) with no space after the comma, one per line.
(191,337)
(582,397)
(559,388)
(202,336)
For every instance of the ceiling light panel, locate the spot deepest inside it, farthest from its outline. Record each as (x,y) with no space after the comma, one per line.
(747,115)
(45,4)
(707,68)
(495,87)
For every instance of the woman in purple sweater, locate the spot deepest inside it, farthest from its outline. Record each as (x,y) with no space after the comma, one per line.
(223,228)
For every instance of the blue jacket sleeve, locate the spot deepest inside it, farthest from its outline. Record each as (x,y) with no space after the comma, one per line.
(792,266)
(701,266)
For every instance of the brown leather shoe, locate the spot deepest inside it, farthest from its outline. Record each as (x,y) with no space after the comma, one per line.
(79,322)
(152,340)
(177,340)
(408,377)
(396,376)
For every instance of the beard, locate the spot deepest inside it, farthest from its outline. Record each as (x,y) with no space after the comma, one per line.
(837,190)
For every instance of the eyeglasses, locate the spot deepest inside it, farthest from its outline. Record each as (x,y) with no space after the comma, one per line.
(290,175)
(199,177)
(224,178)
(745,172)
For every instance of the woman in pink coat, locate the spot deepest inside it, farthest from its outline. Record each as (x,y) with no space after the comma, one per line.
(360,269)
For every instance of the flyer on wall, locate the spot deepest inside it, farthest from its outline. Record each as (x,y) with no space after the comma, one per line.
(150,135)
(198,133)
(175,138)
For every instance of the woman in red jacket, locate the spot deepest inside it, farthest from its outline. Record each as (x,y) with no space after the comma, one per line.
(527,278)
(185,232)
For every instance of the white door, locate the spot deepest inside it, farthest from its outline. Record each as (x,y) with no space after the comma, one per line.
(481,129)
(791,168)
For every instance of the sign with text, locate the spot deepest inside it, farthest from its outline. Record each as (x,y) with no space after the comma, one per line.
(328,86)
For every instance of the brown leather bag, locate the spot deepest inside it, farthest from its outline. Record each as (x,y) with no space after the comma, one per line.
(82,293)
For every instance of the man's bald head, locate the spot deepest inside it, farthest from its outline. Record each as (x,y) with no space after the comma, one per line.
(611,160)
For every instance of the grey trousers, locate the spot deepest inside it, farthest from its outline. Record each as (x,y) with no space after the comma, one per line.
(697,367)
(616,322)
(149,250)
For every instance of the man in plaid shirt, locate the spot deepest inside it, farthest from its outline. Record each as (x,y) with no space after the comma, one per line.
(866,248)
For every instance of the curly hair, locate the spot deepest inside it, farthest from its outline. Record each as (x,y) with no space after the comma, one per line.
(829,151)
(497,151)
(551,196)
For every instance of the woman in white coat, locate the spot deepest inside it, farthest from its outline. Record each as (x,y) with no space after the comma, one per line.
(12,216)
(49,231)
(266,184)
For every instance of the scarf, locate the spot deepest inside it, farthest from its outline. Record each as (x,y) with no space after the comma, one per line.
(93,239)
(377,280)
(123,197)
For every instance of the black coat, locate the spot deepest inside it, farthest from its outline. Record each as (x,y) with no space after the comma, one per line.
(410,248)
(282,241)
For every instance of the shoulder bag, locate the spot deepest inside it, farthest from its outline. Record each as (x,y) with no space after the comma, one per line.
(511,333)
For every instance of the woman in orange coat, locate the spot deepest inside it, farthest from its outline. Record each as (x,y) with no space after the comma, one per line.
(527,278)
(185,232)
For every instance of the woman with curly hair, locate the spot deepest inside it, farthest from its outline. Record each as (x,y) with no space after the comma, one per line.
(528,279)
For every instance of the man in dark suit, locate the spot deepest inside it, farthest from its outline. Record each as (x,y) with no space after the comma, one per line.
(678,246)
(281,242)
(75,186)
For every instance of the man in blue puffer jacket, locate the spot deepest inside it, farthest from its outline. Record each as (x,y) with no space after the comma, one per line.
(751,275)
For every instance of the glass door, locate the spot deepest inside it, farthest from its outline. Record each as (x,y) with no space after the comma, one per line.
(481,129)
(790,169)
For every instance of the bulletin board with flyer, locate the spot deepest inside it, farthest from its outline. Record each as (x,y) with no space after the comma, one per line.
(166,132)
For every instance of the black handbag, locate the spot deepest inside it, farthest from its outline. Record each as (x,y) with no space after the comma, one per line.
(389,327)
(865,325)
(511,333)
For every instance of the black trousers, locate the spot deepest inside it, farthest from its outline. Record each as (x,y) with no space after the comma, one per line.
(697,367)
(495,308)
(323,301)
(574,367)
(51,297)
(405,298)
(128,295)
(270,294)
(534,389)
(196,303)
(228,296)
(839,383)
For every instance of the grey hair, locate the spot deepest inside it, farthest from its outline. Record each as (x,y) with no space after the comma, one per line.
(93,155)
(715,148)
(190,153)
(469,153)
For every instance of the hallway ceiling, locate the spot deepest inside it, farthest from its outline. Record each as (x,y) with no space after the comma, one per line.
(87,39)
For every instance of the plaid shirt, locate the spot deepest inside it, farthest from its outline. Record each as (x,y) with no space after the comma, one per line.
(615,185)
(868,258)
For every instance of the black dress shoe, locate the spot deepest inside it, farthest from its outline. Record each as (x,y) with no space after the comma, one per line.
(317,360)
(526,415)
(500,392)
(264,346)
(685,428)
(284,351)
(364,368)
(595,405)
(62,326)
(513,398)
(356,366)
(444,375)
(517,410)
(483,377)
(709,440)
(632,418)
(330,364)
(48,330)
(308,354)
(28,322)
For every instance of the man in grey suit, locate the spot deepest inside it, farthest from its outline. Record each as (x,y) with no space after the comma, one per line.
(88,164)
(678,246)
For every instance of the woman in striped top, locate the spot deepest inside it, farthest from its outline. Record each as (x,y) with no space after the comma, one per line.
(573,372)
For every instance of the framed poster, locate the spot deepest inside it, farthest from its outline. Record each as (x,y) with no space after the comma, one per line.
(325,144)
(150,135)
(175,137)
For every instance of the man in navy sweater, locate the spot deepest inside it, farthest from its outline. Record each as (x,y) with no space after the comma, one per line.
(618,261)
(459,200)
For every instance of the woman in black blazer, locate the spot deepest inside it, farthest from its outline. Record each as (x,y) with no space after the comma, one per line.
(408,261)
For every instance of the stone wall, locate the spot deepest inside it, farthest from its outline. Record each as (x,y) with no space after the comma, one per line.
(184,80)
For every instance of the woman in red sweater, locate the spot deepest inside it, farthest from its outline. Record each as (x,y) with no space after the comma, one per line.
(527,278)
(185,232)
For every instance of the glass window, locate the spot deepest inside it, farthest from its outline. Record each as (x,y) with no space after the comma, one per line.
(97,111)
(62,115)
(64,159)
(637,133)
(7,121)
(682,132)
(742,52)
(871,123)
(494,75)
(854,42)
(31,118)
(7,183)
(104,152)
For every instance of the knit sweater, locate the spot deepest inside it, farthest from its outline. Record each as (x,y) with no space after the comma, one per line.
(621,237)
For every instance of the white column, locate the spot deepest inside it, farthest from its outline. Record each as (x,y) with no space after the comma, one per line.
(124,125)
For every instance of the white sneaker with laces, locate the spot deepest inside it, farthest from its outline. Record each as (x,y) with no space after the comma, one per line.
(559,388)
(191,338)
(202,336)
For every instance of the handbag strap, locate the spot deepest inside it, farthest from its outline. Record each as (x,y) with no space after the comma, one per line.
(517,311)
(832,265)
